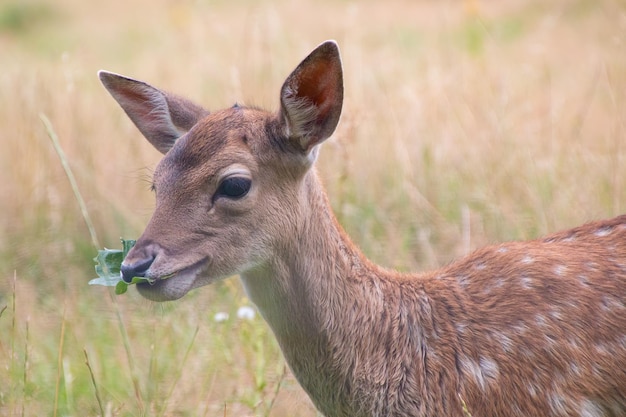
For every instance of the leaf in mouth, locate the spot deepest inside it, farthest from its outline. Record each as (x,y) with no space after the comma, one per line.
(108,264)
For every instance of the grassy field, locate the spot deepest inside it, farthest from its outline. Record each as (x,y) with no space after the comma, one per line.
(465,123)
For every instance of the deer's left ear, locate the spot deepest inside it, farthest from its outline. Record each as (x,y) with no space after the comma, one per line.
(161,117)
(312,96)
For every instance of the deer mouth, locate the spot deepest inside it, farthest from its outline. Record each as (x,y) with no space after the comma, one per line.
(174,285)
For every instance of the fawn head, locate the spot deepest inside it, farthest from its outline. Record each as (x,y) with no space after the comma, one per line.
(228,186)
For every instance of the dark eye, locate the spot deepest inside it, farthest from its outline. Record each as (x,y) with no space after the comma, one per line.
(234,187)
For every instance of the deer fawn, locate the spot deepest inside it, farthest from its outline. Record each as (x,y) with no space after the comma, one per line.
(532,328)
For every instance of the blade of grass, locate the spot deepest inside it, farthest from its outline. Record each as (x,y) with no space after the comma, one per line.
(179,374)
(153,380)
(93,381)
(208,396)
(70,176)
(466,412)
(13,336)
(279,384)
(59,363)
(129,355)
(25,375)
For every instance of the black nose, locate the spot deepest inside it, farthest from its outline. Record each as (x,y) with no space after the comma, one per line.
(136,269)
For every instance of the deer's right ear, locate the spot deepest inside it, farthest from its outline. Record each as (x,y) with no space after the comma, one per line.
(312,97)
(161,117)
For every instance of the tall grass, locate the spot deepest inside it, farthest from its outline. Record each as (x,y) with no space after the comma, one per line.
(465,123)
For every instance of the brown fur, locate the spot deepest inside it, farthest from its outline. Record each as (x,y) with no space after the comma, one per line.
(532,328)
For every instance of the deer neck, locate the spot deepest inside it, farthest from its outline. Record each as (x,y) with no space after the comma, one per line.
(303,292)
(311,268)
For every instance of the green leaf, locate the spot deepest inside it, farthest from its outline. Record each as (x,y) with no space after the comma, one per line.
(108,266)
(127,245)
(108,281)
(121,287)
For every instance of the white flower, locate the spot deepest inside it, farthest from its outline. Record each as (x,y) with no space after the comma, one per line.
(245,313)
(220,317)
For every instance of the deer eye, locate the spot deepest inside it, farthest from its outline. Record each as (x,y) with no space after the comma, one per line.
(234,187)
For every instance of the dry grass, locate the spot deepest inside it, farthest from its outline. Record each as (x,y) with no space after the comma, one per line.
(465,123)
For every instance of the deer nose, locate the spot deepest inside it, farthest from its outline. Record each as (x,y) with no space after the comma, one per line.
(136,269)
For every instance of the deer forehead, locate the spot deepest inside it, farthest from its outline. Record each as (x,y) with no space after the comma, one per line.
(221,140)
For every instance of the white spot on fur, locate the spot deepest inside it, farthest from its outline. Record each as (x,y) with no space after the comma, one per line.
(502,249)
(602,349)
(472,370)
(489,368)
(505,341)
(526,282)
(558,403)
(528,259)
(574,369)
(516,410)
(556,315)
(560,270)
(573,343)
(604,231)
(552,342)
(611,303)
(484,373)
(541,320)
(460,327)
(499,283)
(527,353)
(520,328)
(463,280)
(590,409)
(592,266)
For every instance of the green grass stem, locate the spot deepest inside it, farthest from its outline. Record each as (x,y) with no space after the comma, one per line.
(70,176)
(179,373)
(25,371)
(93,381)
(57,387)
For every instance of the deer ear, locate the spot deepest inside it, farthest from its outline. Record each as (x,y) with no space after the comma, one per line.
(161,117)
(312,96)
